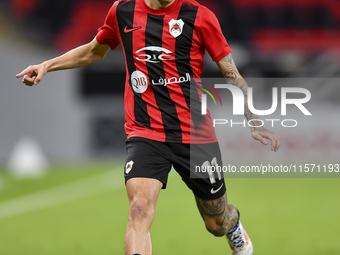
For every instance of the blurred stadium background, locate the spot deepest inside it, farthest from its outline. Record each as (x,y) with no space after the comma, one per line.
(73,123)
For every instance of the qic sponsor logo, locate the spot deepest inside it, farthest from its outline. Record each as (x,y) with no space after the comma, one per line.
(139,81)
(154,54)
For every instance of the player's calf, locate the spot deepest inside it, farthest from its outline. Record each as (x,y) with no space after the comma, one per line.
(216,226)
(219,216)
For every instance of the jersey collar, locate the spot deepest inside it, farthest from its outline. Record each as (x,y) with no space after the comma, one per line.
(172,8)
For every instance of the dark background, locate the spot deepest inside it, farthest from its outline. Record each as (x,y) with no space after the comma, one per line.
(271,39)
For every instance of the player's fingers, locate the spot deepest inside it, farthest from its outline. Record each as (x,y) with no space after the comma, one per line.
(24,72)
(258,137)
(38,79)
(272,139)
(21,74)
(28,83)
(275,139)
(274,143)
(28,80)
(278,144)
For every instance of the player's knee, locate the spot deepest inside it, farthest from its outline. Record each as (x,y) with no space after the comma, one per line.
(141,207)
(216,226)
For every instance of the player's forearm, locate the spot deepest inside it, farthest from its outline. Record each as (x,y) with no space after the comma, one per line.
(81,56)
(78,57)
(233,77)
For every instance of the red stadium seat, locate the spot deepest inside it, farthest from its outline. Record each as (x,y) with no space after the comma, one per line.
(22,8)
(85,20)
(304,41)
(335,10)
(282,4)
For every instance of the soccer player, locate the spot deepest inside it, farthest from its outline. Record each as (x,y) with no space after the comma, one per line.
(164,42)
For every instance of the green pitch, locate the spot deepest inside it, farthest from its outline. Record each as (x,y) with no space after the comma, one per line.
(83,210)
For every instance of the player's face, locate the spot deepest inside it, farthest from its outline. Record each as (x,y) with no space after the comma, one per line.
(159,3)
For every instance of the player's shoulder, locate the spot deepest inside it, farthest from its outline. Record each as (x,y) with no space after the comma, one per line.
(204,14)
(124,2)
(201,8)
(124,5)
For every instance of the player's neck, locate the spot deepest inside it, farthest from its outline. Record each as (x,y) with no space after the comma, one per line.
(159,4)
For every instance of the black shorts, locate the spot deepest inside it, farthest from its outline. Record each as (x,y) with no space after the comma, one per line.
(152,159)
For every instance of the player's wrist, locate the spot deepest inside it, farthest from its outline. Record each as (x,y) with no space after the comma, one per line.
(256,125)
(258,129)
(47,66)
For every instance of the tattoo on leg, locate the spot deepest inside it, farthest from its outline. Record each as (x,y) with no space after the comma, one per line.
(211,208)
(233,217)
(225,215)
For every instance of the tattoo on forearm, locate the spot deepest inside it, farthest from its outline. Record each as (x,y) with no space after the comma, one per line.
(233,77)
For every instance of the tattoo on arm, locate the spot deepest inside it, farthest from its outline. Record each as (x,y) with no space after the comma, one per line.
(233,77)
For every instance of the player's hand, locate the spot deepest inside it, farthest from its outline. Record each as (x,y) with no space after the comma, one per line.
(263,134)
(32,75)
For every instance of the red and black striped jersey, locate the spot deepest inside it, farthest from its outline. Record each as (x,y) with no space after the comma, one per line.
(164,52)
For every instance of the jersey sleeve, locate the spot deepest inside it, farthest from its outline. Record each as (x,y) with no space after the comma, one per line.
(212,36)
(108,33)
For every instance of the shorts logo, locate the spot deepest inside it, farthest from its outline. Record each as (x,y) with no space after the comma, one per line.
(139,81)
(176,27)
(155,54)
(128,166)
(212,191)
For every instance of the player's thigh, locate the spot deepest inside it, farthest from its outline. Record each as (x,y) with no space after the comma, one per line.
(146,173)
(200,168)
(146,159)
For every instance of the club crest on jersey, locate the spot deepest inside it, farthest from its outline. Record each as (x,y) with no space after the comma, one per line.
(176,27)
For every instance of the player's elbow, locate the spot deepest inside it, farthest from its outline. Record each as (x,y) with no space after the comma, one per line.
(96,57)
(97,50)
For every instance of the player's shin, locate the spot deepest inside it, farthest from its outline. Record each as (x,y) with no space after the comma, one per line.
(239,240)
